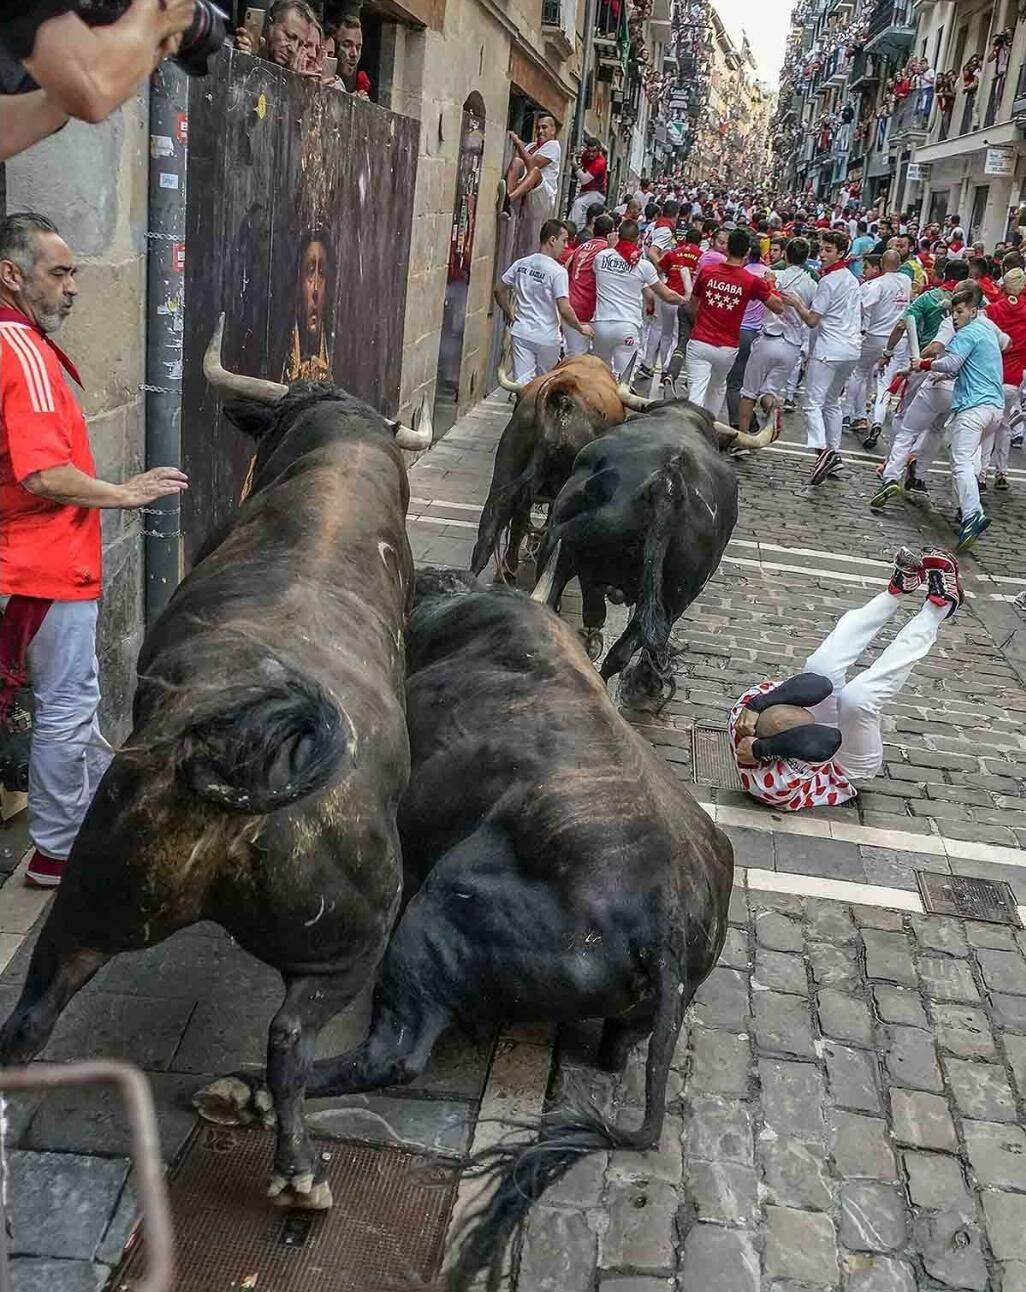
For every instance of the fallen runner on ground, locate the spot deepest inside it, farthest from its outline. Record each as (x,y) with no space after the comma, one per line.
(806,742)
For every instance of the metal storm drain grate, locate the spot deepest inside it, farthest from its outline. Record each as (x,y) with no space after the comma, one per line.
(712,759)
(969,899)
(387,1226)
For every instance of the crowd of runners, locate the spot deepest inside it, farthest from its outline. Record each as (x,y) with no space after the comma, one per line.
(907,338)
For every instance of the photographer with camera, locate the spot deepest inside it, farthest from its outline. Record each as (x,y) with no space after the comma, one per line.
(87,57)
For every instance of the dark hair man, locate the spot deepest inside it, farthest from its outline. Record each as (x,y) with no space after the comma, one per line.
(717,306)
(534,172)
(590,174)
(622,277)
(82,71)
(835,316)
(51,555)
(347,35)
(779,347)
(291,39)
(581,270)
(541,298)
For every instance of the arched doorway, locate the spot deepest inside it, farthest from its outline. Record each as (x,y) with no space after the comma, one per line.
(461,256)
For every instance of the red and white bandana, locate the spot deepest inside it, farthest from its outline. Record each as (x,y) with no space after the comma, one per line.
(787,783)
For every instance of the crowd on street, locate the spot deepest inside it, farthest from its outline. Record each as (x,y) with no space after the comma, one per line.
(905,338)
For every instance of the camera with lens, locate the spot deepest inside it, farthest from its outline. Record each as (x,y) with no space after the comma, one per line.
(200,41)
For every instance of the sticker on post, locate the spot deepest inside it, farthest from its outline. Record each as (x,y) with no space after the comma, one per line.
(161,146)
(168,180)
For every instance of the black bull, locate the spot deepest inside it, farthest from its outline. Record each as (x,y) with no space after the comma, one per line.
(646,516)
(560,870)
(269,751)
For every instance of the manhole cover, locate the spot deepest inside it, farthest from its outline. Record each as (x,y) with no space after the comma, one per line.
(969,899)
(713,759)
(386,1229)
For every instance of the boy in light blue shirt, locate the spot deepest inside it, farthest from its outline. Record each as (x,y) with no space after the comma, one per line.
(973,358)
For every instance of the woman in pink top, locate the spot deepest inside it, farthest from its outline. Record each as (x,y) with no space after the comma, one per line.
(751,326)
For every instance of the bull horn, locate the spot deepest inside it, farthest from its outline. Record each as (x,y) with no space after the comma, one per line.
(414,440)
(505,380)
(234,383)
(630,400)
(725,434)
(547,578)
(766,436)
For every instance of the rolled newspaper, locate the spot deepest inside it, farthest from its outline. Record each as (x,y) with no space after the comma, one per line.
(913,338)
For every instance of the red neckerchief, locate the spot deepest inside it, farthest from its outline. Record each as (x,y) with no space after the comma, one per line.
(956,246)
(9,315)
(843,263)
(665,222)
(630,251)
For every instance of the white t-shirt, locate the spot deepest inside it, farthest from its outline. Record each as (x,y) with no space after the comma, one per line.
(884,301)
(795,280)
(619,287)
(661,238)
(544,196)
(538,282)
(838,300)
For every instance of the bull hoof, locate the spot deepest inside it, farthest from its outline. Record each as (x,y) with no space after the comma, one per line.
(593,642)
(241,1100)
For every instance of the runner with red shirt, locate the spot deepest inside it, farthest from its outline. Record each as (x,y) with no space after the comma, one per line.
(717,306)
(1008,313)
(581,268)
(808,741)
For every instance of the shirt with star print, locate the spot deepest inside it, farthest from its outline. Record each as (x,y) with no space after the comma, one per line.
(723,292)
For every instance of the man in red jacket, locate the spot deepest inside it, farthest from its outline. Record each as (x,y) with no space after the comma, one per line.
(50,546)
(1008,313)
(591,178)
(582,283)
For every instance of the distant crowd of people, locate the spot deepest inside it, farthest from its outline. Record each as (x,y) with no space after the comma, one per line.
(750,306)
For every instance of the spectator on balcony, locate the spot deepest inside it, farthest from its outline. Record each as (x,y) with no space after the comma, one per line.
(534,172)
(346,34)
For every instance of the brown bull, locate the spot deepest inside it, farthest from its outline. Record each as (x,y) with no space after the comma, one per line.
(555,417)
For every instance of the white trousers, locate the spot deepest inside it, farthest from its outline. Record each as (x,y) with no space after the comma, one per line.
(662,335)
(996,447)
(898,363)
(770,364)
(854,707)
(533,358)
(617,343)
(927,412)
(860,382)
(582,205)
(969,430)
(708,367)
(824,385)
(575,343)
(68,755)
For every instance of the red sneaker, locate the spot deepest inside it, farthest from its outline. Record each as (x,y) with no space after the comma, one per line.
(44,872)
(944,580)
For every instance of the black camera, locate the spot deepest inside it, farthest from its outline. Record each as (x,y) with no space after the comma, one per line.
(200,41)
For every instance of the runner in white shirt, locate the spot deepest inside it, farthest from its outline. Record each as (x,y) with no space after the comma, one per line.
(540,298)
(540,182)
(884,300)
(836,319)
(778,348)
(622,275)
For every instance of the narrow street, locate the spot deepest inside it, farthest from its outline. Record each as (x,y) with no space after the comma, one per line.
(850,1088)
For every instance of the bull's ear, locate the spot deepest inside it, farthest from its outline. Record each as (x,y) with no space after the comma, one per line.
(249,416)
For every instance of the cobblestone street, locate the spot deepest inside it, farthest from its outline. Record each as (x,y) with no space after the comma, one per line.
(849,1091)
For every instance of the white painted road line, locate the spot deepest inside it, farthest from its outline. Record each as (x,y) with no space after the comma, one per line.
(835,890)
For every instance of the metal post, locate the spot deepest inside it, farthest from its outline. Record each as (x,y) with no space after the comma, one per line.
(165,299)
(577,134)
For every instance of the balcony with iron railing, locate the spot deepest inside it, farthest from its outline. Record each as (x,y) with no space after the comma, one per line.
(910,121)
(892,28)
(1019,101)
(611,38)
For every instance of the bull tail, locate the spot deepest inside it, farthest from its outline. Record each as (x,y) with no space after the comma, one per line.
(265,742)
(524,1173)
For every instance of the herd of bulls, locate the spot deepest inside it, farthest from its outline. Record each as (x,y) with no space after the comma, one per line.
(363,774)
